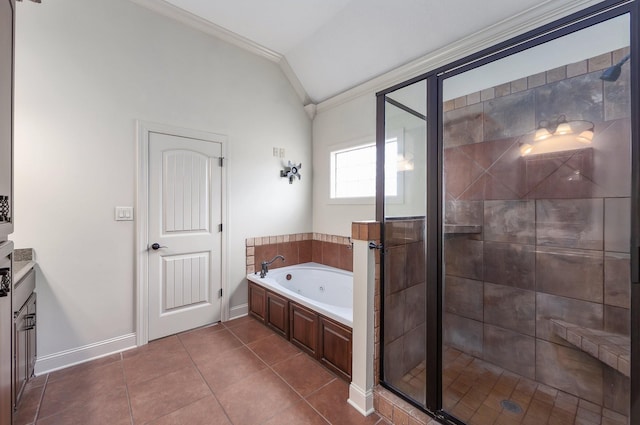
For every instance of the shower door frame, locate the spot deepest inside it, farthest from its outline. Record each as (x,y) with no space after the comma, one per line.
(434,185)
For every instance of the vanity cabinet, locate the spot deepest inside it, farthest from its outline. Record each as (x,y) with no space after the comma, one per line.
(7,19)
(24,334)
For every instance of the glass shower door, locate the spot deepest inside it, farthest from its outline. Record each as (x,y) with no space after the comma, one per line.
(404,285)
(536,251)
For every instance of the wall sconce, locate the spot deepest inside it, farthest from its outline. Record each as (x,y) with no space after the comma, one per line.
(291,171)
(557,135)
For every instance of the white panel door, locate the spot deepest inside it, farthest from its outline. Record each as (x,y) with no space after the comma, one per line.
(185,215)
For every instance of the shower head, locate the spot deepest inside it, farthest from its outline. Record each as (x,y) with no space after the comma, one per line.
(612,73)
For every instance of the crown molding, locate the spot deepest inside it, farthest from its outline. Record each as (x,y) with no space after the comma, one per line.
(169,10)
(504,30)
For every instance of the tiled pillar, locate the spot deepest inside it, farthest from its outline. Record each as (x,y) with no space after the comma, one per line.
(361,388)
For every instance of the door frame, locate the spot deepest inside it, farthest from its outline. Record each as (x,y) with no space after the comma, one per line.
(143,129)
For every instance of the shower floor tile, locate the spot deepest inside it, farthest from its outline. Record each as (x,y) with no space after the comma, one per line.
(480,393)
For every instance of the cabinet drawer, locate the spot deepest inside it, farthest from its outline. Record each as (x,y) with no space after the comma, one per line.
(23,289)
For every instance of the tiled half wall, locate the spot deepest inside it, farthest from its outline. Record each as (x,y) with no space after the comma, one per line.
(298,248)
(554,228)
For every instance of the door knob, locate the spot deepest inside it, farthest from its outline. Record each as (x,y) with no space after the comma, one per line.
(156,246)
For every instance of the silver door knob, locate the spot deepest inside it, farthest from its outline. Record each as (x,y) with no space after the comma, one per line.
(156,246)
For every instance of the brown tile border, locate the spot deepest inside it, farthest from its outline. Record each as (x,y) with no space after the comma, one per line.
(365,230)
(327,243)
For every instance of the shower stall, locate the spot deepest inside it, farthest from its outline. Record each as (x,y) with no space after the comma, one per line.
(509,205)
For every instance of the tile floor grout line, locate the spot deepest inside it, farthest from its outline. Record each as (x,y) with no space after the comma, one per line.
(195,365)
(268,366)
(287,383)
(126,390)
(44,387)
(304,399)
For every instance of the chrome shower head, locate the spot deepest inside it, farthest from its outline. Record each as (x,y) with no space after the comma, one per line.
(613,73)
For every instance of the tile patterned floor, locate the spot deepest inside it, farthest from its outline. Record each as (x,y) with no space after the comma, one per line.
(235,373)
(474,390)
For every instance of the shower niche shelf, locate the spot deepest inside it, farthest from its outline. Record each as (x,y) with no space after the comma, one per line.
(610,348)
(453,229)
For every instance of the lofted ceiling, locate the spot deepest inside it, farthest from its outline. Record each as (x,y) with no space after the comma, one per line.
(334,45)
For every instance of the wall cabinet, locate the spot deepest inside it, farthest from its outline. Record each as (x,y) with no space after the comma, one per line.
(322,338)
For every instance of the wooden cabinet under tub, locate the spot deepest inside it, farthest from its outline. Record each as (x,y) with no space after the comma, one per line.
(257,301)
(277,314)
(324,339)
(304,328)
(335,341)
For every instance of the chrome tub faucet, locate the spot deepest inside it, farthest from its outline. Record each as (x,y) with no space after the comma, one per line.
(264,266)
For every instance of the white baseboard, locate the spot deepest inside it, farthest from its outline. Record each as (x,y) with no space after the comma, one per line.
(238,311)
(62,359)
(361,400)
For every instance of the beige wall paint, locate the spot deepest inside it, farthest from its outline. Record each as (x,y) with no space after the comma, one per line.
(351,121)
(85,71)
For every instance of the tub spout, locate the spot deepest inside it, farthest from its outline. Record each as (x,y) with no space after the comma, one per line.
(264,266)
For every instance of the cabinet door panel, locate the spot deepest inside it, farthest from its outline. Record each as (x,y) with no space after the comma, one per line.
(20,354)
(31,337)
(335,341)
(304,328)
(257,301)
(278,314)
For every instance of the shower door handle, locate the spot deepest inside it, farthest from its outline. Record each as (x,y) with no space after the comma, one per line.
(635,265)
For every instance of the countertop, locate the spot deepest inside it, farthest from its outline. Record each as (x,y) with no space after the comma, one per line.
(23,261)
(21,268)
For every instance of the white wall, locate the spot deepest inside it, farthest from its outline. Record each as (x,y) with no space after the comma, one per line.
(353,120)
(85,71)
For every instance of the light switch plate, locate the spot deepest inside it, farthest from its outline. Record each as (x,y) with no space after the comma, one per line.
(124,214)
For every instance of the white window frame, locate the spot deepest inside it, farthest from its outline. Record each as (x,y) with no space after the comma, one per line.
(358,143)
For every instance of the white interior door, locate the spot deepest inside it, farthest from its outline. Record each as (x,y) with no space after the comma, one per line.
(185,221)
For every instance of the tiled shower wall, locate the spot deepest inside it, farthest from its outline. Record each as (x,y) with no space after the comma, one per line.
(554,241)
(404,297)
(330,250)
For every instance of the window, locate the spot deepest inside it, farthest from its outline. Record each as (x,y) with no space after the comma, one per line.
(353,171)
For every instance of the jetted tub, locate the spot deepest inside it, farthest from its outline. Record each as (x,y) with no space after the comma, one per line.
(326,290)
